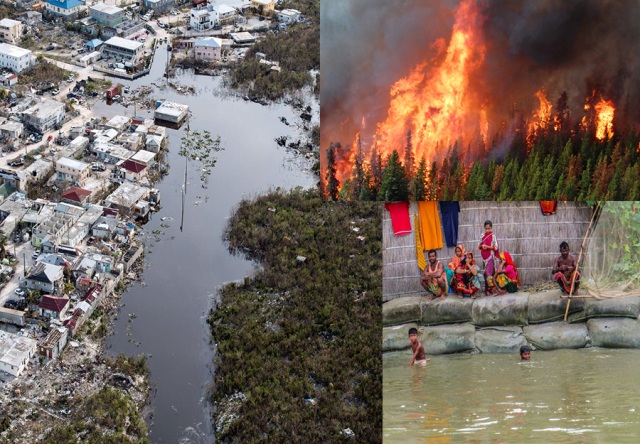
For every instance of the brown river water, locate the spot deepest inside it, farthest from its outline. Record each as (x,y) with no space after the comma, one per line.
(562,396)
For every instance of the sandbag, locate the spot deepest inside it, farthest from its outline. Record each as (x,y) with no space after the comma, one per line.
(614,332)
(557,335)
(548,306)
(509,309)
(628,307)
(445,339)
(450,311)
(397,337)
(500,340)
(402,310)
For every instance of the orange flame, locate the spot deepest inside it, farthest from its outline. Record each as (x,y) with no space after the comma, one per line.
(604,122)
(437,103)
(540,119)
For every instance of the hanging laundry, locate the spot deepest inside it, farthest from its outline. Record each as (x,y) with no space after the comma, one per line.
(399,212)
(430,230)
(449,211)
(422,262)
(548,207)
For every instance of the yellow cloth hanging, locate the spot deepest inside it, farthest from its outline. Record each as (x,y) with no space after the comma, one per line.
(422,262)
(430,229)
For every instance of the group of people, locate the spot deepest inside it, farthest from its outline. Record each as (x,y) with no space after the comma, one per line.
(462,274)
(500,275)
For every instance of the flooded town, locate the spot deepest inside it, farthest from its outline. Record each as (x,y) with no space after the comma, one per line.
(104,112)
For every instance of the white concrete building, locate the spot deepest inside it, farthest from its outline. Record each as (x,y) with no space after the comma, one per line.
(201,19)
(108,15)
(15,58)
(225,15)
(123,49)
(171,112)
(71,170)
(289,15)
(10,30)
(44,116)
(15,352)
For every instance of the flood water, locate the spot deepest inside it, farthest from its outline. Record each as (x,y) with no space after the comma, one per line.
(183,269)
(564,396)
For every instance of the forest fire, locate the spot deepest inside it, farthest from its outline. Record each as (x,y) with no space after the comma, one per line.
(491,83)
(438,105)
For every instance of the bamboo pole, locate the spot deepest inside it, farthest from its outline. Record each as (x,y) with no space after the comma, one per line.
(594,216)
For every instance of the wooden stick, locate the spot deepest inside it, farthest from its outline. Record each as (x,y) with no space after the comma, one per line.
(594,216)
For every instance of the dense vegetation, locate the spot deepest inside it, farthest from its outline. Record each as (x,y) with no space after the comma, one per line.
(554,168)
(109,416)
(299,351)
(297,49)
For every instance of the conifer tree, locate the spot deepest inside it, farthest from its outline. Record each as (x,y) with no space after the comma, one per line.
(419,190)
(395,185)
(333,185)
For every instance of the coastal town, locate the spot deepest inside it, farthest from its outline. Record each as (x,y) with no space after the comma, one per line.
(76,188)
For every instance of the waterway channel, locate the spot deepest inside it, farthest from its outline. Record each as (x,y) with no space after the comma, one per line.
(164,316)
(563,396)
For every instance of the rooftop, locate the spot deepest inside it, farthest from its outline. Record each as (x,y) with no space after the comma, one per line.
(13,51)
(45,108)
(15,349)
(225,9)
(72,163)
(212,42)
(65,4)
(124,43)
(53,303)
(107,9)
(8,22)
(172,108)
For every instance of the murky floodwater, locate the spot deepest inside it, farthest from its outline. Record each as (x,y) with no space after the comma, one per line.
(183,269)
(567,396)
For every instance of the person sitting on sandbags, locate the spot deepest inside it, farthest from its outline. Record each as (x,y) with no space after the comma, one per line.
(564,269)
(433,277)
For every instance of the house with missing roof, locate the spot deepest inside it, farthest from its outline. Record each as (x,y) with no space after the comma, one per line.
(52,346)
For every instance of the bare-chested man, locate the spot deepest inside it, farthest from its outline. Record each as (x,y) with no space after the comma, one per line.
(433,278)
(564,268)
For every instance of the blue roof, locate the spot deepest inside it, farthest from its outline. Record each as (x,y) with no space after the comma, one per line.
(65,4)
(208,41)
(94,43)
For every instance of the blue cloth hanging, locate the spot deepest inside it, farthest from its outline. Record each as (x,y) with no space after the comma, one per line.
(449,211)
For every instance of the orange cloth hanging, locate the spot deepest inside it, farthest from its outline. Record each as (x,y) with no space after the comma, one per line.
(430,229)
(422,262)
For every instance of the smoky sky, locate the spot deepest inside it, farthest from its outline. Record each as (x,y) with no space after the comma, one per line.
(572,46)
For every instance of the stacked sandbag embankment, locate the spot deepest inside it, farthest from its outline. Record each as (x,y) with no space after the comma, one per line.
(502,324)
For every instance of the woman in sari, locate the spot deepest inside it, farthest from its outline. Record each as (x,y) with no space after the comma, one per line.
(462,279)
(507,278)
(488,250)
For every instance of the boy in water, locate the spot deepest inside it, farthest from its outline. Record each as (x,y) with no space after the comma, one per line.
(525,352)
(419,357)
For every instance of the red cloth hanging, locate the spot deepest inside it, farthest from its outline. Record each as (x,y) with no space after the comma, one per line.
(548,207)
(400,220)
